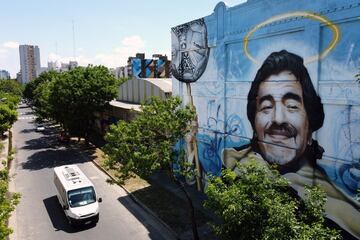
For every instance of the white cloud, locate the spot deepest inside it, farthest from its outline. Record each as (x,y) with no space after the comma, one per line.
(3,51)
(11,44)
(129,46)
(82,60)
(9,57)
(133,41)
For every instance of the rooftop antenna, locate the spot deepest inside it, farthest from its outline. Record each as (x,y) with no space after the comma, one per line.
(73,30)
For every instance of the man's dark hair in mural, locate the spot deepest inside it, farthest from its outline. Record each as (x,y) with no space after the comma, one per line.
(275,64)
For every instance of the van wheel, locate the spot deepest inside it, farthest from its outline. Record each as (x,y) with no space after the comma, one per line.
(70,222)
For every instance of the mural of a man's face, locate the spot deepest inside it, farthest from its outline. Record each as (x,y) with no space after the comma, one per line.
(281,121)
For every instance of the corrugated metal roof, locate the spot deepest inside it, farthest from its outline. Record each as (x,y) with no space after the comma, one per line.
(125,105)
(164,84)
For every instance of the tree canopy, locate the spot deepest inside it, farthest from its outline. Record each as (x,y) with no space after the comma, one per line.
(11,87)
(258,203)
(7,204)
(147,143)
(71,98)
(78,94)
(10,94)
(30,87)
(7,118)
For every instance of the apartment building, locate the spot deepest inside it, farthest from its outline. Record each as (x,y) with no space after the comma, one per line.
(29,62)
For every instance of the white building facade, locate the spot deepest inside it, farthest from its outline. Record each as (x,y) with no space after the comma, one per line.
(4,74)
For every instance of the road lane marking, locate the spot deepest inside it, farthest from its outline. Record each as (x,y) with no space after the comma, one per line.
(23,118)
(94,177)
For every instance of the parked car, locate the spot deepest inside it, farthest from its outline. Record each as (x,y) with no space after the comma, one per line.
(40,128)
(63,137)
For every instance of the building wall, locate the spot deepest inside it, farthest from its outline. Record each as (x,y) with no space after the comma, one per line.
(150,68)
(29,62)
(110,116)
(138,90)
(231,45)
(4,74)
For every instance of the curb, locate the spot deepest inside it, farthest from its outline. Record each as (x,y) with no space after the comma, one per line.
(8,145)
(5,152)
(10,148)
(137,201)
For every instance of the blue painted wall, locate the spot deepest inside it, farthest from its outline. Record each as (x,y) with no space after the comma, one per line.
(325,33)
(153,68)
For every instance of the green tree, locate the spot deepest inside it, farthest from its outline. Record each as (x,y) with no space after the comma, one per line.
(41,89)
(11,87)
(76,95)
(42,107)
(147,143)
(9,99)
(30,88)
(7,118)
(7,204)
(358,77)
(258,203)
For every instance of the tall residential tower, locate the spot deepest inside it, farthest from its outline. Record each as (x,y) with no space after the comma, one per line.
(29,62)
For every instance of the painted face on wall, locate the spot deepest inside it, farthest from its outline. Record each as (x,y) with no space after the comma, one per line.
(281,122)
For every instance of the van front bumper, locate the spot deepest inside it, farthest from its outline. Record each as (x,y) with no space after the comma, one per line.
(86,220)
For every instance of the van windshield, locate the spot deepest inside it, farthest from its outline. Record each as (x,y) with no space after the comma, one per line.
(81,197)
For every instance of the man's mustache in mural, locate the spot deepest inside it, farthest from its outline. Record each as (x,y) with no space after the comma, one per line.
(283,129)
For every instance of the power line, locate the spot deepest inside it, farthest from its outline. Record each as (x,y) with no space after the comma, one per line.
(74,48)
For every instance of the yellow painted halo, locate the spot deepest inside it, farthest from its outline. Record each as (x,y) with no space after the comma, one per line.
(331,25)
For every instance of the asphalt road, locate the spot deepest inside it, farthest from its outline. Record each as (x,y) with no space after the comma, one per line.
(39,215)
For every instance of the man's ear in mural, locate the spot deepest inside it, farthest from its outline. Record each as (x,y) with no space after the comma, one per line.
(190,51)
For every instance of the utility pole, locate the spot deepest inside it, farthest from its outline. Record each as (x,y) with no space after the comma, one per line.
(74,45)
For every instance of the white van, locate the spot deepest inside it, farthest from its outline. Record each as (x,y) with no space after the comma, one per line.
(76,194)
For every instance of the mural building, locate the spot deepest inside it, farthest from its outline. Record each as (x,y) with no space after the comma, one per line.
(276,80)
(157,67)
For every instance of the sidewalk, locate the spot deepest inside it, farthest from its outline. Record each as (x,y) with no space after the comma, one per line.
(197,197)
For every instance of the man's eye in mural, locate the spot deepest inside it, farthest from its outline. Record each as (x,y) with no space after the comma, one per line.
(266,107)
(292,107)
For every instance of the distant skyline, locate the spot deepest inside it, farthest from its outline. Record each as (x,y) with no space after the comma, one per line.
(106,32)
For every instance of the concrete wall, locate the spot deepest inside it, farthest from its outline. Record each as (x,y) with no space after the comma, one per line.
(220,55)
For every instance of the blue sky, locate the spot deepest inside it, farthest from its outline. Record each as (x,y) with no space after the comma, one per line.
(106,32)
